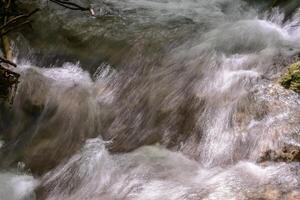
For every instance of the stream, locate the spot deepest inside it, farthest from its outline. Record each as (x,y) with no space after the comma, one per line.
(153,100)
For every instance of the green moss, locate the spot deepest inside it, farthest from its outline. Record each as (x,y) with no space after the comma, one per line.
(291,79)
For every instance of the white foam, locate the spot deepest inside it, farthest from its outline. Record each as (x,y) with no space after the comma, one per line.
(17,187)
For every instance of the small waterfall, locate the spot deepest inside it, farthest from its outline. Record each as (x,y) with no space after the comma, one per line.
(170,100)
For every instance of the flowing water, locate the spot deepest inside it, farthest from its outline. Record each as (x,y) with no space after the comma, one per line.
(153,100)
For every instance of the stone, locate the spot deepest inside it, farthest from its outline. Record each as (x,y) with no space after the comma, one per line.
(291,79)
(287,153)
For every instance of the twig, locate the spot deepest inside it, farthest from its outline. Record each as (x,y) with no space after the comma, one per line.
(14,27)
(70,5)
(15,19)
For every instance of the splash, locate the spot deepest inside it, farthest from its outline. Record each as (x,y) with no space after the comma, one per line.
(189,110)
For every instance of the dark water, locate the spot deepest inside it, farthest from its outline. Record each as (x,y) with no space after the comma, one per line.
(153,99)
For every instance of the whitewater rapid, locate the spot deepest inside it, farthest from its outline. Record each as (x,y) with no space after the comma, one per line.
(187,111)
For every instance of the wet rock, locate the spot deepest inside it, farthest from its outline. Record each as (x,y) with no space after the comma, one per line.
(288,153)
(273,193)
(48,123)
(291,79)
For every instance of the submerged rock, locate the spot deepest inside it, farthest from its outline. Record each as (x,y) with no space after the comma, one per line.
(291,79)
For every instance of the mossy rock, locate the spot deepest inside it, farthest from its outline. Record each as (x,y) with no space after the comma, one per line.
(291,79)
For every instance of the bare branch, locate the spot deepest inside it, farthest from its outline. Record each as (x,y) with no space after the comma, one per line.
(14,20)
(3,60)
(70,5)
(15,27)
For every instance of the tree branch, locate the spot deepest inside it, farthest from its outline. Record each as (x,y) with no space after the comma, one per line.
(70,5)
(14,27)
(73,6)
(3,60)
(12,21)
